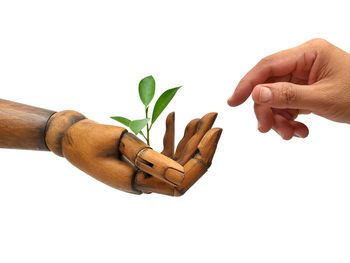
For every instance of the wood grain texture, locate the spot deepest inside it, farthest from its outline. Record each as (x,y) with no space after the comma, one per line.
(195,167)
(93,148)
(23,126)
(190,130)
(99,150)
(150,161)
(169,136)
(205,123)
(130,146)
(57,126)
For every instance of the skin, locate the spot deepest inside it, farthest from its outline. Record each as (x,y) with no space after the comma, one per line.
(311,78)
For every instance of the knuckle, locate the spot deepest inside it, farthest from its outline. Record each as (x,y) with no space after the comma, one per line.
(287,94)
(266,60)
(319,42)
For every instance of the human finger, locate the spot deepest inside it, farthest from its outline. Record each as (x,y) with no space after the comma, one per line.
(283,63)
(264,116)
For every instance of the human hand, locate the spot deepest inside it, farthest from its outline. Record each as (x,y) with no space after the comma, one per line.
(117,158)
(311,78)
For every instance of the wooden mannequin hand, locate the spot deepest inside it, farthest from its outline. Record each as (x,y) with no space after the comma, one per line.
(195,152)
(121,160)
(109,153)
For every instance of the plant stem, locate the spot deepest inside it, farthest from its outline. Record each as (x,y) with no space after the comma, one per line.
(143,135)
(148,128)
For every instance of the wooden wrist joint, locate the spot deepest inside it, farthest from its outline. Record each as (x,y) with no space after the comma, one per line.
(57,126)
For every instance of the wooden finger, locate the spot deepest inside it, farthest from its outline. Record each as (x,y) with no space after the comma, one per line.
(150,161)
(194,169)
(191,147)
(169,136)
(208,145)
(190,130)
(197,166)
(150,184)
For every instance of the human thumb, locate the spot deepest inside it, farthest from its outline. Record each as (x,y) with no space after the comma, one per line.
(284,95)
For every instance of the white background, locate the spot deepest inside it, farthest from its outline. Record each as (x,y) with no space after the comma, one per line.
(263,200)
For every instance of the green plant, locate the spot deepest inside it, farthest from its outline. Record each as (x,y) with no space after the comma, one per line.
(147,87)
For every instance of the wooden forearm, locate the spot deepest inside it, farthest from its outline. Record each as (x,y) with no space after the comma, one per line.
(31,128)
(23,126)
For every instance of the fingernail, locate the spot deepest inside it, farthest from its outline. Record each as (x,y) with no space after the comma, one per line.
(298,134)
(229,100)
(265,94)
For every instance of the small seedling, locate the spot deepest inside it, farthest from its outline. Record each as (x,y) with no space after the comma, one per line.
(147,87)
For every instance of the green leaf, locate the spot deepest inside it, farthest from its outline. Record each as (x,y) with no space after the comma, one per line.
(162,102)
(137,125)
(122,120)
(147,87)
